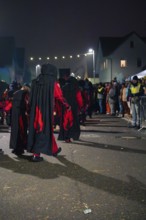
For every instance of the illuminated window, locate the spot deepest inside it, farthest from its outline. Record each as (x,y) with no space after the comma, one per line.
(123,63)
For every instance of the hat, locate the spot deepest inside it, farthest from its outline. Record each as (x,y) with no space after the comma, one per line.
(49,69)
(135,78)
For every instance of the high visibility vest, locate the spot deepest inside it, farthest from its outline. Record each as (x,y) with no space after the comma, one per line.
(135,89)
(100,89)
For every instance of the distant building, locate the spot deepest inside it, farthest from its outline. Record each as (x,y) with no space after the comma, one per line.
(12,61)
(120,57)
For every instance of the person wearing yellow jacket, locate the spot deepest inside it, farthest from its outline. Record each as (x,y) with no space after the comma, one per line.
(135,92)
(101,97)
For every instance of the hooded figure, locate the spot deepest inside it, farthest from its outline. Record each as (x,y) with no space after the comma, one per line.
(19,123)
(73,96)
(44,91)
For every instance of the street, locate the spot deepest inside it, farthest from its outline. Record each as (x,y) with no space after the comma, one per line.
(100,177)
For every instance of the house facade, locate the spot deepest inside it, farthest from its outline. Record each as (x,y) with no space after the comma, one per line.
(12,61)
(120,57)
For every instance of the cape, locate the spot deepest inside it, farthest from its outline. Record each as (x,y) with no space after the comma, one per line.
(19,123)
(70,90)
(41,111)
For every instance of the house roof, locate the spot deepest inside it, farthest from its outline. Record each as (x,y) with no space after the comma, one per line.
(109,44)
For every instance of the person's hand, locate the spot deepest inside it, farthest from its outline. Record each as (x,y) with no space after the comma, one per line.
(69,108)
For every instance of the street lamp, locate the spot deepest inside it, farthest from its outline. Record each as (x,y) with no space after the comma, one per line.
(91,51)
(38,70)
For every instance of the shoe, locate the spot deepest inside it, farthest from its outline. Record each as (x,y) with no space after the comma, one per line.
(58,151)
(36,159)
(113,114)
(137,126)
(132,126)
(18,152)
(68,140)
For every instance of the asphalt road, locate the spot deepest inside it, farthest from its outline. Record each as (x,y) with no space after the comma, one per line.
(104,174)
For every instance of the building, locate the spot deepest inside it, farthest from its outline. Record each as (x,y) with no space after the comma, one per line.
(12,60)
(120,57)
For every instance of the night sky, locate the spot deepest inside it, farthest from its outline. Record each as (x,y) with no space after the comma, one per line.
(64,27)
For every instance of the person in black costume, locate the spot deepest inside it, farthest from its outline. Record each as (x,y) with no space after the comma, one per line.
(44,91)
(19,121)
(72,94)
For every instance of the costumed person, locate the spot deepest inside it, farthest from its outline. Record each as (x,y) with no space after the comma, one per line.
(13,87)
(3,91)
(107,88)
(44,91)
(19,120)
(83,112)
(72,94)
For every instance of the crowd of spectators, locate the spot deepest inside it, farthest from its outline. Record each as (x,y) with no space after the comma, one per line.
(111,98)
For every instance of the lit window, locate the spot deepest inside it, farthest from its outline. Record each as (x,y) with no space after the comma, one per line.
(123,63)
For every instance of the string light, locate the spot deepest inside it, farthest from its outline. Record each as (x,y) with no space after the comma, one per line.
(62,57)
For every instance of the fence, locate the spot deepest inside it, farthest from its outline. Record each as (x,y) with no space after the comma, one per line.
(142,113)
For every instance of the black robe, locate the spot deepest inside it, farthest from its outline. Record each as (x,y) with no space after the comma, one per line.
(41,111)
(69,92)
(19,123)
